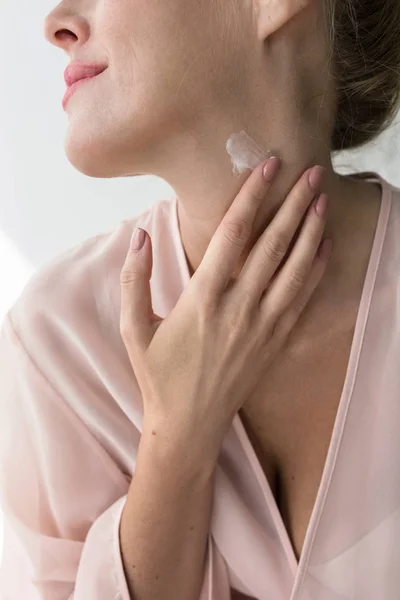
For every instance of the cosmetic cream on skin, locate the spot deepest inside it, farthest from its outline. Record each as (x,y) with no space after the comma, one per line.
(245,153)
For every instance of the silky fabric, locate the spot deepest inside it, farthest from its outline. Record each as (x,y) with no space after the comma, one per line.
(71,417)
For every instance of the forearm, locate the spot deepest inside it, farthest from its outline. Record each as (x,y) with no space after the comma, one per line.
(165,521)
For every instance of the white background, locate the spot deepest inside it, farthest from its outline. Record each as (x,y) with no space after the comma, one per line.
(46,205)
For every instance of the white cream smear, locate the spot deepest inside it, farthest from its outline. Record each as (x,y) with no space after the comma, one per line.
(245,153)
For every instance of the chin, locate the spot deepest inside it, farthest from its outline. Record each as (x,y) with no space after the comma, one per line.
(95,160)
(107,149)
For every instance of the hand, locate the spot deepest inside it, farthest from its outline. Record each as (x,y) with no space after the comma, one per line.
(197,367)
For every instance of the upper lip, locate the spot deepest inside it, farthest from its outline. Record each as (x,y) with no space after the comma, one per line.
(80,70)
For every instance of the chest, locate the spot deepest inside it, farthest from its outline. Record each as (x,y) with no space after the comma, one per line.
(289,421)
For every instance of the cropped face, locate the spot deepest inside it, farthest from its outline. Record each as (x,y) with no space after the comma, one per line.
(170,65)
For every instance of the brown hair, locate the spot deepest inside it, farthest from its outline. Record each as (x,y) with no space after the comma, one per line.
(365,52)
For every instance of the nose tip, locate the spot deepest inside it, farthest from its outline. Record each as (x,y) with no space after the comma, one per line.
(61,28)
(59,37)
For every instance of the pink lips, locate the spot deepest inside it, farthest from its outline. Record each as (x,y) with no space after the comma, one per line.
(76,74)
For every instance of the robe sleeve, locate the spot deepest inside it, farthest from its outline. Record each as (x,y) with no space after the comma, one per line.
(61,495)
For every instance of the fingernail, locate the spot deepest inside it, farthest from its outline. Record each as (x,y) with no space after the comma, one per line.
(137,239)
(271,168)
(315,176)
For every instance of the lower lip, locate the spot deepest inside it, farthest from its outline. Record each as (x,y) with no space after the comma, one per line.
(72,89)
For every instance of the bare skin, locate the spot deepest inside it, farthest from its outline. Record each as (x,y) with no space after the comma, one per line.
(280,421)
(288,425)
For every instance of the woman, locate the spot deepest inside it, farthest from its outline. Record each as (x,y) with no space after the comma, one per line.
(231,429)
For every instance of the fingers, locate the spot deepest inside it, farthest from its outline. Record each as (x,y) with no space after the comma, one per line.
(294,274)
(234,230)
(136,305)
(293,312)
(272,246)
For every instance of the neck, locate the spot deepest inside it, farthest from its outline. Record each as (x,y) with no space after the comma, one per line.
(201,209)
(200,171)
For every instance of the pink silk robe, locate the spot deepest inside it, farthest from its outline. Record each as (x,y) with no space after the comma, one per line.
(71,417)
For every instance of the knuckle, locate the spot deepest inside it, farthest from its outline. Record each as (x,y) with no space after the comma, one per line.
(241,307)
(275,247)
(256,196)
(296,279)
(231,315)
(299,306)
(292,315)
(236,232)
(128,277)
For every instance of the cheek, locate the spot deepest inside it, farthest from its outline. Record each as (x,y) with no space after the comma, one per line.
(167,58)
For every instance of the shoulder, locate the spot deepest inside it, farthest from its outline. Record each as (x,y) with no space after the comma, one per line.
(80,277)
(70,308)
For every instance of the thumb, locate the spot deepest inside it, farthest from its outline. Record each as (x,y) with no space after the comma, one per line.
(137,317)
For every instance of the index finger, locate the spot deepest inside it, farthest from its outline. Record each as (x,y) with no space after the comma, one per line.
(234,231)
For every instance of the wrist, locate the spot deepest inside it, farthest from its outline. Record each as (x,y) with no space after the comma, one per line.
(168,445)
